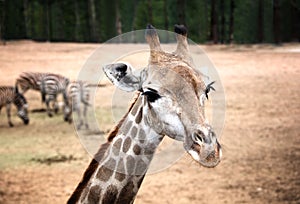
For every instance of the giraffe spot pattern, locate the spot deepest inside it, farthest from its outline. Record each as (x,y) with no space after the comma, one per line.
(126,144)
(138,117)
(141,167)
(125,130)
(133,131)
(127,194)
(94,194)
(120,173)
(149,151)
(117,146)
(120,176)
(136,107)
(121,166)
(110,195)
(137,149)
(130,165)
(106,170)
(142,136)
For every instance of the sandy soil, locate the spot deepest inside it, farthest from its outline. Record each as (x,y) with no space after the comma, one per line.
(261,141)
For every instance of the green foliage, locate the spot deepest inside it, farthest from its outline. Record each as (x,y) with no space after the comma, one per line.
(142,16)
(14,24)
(99,20)
(246,25)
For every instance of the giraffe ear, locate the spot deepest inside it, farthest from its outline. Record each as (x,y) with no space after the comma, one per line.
(122,76)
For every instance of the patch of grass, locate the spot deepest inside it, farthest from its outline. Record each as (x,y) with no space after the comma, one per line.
(55,159)
(44,140)
(44,136)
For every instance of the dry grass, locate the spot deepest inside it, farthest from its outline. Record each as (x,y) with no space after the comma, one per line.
(261,135)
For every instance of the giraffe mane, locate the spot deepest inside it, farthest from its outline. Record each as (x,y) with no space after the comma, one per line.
(98,157)
(114,131)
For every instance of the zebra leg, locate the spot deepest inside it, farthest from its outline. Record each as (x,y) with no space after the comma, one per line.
(85,116)
(48,106)
(8,108)
(79,118)
(55,106)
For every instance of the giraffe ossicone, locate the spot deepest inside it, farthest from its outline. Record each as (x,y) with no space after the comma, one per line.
(167,103)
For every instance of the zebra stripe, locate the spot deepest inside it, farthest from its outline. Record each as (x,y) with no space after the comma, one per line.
(9,95)
(78,94)
(30,80)
(49,84)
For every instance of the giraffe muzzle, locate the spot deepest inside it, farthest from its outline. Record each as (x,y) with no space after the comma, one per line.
(205,149)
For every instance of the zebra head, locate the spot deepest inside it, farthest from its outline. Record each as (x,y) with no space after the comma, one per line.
(21,104)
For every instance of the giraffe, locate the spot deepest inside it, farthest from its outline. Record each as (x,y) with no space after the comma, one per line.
(167,103)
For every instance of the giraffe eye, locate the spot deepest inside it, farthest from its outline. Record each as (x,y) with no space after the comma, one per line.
(151,95)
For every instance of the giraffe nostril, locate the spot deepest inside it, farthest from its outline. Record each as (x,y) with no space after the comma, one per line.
(198,137)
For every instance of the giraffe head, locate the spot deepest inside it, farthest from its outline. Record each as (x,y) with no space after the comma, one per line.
(172,92)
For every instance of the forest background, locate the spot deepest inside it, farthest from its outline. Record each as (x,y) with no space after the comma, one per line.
(208,21)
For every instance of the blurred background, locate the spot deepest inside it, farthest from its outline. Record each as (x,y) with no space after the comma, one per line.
(214,21)
(44,161)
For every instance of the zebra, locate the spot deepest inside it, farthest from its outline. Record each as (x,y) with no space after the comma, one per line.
(49,85)
(9,95)
(78,94)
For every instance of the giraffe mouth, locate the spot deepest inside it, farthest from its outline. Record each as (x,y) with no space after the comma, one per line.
(208,158)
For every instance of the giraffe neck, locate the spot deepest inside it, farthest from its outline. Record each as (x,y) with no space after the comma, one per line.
(120,173)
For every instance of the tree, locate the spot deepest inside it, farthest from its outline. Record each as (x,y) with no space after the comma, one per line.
(260,21)
(231,21)
(150,16)
(214,22)
(295,16)
(222,10)
(181,11)
(93,21)
(276,21)
(2,15)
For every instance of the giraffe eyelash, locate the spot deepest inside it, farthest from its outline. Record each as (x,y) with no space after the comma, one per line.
(204,95)
(151,95)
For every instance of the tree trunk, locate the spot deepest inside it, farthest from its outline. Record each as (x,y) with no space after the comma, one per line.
(48,19)
(133,36)
(260,21)
(214,22)
(118,21)
(25,4)
(92,20)
(231,21)
(181,11)
(222,22)
(77,22)
(295,11)
(150,15)
(166,19)
(276,21)
(2,21)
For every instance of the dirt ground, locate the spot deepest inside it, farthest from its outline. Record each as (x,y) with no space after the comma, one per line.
(261,141)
